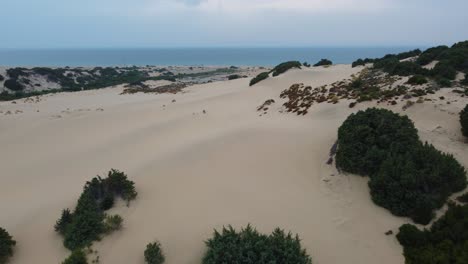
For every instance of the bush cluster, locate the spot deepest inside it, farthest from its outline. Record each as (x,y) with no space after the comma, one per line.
(388,57)
(2,78)
(249,246)
(262,76)
(6,246)
(154,254)
(417,80)
(88,222)
(445,242)
(284,67)
(234,77)
(306,64)
(323,62)
(14,85)
(407,177)
(464,120)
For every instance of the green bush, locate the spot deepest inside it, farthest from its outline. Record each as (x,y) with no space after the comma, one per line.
(406,177)
(464,120)
(88,222)
(430,55)
(6,246)
(234,77)
(444,70)
(417,182)
(323,62)
(366,138)
(2,78)
(445,242)
(463,198)
(154,254)
(112,223)
(306,64)
(262,76)
(417,80)
(249,246)
(77,257)
(284,67)
(14,85)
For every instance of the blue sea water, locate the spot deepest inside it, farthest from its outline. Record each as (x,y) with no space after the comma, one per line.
(187,56)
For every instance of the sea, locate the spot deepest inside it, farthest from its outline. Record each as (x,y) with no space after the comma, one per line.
(188,56)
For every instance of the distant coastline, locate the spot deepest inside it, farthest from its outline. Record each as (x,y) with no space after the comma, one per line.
(186,56)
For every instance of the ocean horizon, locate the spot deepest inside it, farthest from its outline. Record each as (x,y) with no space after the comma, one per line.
(268,56)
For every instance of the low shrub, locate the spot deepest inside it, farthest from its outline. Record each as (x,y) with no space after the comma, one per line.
(445,242)
(417,80)
(14,85)
(249,246)
(88,221)
(323,62)
(464,121)
(7,245)
(2,78)
(444,70)
(77,257)
(154,254)
(234,77)
(463,198)
(262,76)
(284,67)
(407,177)
(306,64)
(430,55)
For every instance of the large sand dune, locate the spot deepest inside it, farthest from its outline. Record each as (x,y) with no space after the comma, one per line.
(198,171)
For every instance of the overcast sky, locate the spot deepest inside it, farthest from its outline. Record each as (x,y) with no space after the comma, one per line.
(213,23)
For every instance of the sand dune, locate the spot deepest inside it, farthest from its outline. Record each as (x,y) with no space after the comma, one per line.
(197,171)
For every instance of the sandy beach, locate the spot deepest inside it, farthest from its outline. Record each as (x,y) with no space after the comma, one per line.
(202,159)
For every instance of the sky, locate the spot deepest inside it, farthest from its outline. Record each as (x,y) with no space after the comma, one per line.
(231,23)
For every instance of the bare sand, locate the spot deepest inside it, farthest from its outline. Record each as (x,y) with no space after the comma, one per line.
(195,172)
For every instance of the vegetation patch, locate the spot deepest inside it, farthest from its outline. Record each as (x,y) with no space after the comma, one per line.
(464,121)
(323,62)
(445,242)
(417,80)
(7,245)
(407,177)
(88,222)
(154,254)
(78,256)
(249,246)
(260,77)
(284,67)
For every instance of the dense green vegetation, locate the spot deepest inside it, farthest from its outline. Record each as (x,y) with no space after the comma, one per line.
(306,64)
(234,77)
(323,62)
(88,221)
(464,120)
(154,254)
(6,246)
(249,246)
(285,66)
(450,60)
(77,257)
(417,80)
(463,198)
(260,77)
(407,177)
(2,78)
(14,85)
(445,243)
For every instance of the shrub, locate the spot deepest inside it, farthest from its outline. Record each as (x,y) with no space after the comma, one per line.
(154,254)
(444,70)
(430,55)
(445,242)
(415,183)
(464,120)
(112,223)
(6,245)
(249,246)
(88,222)
(323,62)
(2,78)
(14,85)
(417,80)
(443,82)
(234,77)
(407,177)
(463,198)
(306,64)
(284,67)
(465,81)
(366,138)
(77,257)
(262,76)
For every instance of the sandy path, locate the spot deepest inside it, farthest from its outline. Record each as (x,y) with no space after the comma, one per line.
(195,172)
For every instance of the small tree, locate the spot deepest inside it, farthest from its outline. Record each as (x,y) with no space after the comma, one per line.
(464,121)
(6,245)
(154,253)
